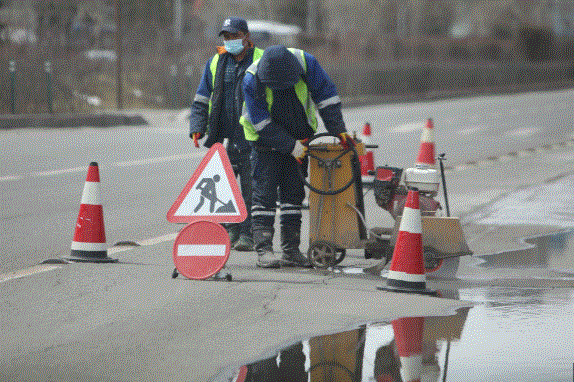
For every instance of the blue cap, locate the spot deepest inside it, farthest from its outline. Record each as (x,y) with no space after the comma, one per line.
(234,25)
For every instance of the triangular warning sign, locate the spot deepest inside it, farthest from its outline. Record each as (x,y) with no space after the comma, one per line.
(211,194)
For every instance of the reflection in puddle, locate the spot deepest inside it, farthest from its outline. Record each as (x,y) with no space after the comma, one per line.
(512,335)
(555,251)
(405,350)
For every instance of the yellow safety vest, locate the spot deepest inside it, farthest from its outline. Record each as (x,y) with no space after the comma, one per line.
(257,53)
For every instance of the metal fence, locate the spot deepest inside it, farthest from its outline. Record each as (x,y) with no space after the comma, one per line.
(61,80)
(57,79)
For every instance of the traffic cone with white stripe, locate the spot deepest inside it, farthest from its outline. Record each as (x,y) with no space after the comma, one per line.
(407,271)
(89,243)
(409,340)
(367,160)
(426,151)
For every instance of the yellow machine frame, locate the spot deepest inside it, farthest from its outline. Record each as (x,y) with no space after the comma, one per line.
(331,217)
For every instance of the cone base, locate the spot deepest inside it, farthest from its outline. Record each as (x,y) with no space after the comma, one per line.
(90,257)
(424,291)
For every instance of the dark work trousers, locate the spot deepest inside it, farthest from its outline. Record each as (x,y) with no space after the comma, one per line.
(275,175)
(240,161)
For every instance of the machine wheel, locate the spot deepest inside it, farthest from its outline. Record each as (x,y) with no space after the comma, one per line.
(323,254)
(328,165)
(431,259)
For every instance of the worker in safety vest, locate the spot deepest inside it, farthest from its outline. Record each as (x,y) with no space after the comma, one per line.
(283,91)
(216,110)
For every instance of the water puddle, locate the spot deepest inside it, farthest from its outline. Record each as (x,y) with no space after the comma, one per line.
(511,335)
(554,252)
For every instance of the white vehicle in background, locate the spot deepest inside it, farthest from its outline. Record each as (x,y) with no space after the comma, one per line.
(265,33)
(18,36)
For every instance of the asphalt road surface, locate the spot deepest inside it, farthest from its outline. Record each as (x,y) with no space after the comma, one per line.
(131,321)
(143,169)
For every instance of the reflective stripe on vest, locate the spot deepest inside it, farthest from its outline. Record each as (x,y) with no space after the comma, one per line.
(301,90)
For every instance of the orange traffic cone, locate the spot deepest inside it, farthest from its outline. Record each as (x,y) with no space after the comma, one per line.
(407,271)
(367,160)
(409,340)
(89,243)
(426,150)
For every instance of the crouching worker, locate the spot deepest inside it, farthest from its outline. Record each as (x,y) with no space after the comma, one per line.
(282,92)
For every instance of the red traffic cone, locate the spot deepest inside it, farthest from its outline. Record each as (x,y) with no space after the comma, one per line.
(367,129)
(89,243)
(426,150)
(409,340)
(367,160)
(407,271)
(367,163)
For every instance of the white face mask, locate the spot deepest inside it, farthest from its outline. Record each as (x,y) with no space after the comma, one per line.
(234,46)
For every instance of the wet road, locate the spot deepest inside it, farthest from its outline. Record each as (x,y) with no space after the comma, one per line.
(511,334)
(521,328)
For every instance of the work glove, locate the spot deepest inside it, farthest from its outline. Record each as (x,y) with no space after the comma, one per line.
(300,150)
(196,137)
(346,141)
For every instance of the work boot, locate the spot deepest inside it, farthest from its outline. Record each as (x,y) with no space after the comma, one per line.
(268,259)
(290,241)
(233,231)
(263,243)
(244,244)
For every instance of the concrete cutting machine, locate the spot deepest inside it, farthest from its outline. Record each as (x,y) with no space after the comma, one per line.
(337,212)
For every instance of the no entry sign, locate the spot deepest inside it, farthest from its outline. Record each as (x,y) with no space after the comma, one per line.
(201,249)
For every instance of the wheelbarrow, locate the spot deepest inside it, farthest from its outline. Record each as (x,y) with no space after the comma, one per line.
(337,212)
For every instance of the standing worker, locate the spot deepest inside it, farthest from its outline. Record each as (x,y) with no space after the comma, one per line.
(216,110)
(281,91)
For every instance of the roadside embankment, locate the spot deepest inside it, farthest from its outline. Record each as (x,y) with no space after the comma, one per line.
(106,119)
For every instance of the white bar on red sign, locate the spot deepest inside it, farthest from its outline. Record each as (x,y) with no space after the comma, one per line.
(201,250)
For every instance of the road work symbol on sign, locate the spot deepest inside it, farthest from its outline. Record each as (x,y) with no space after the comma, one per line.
(209,192)
(201,249)
(212,192)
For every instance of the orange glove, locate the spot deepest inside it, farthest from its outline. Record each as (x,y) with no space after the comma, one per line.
(346,141)
(196,137)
